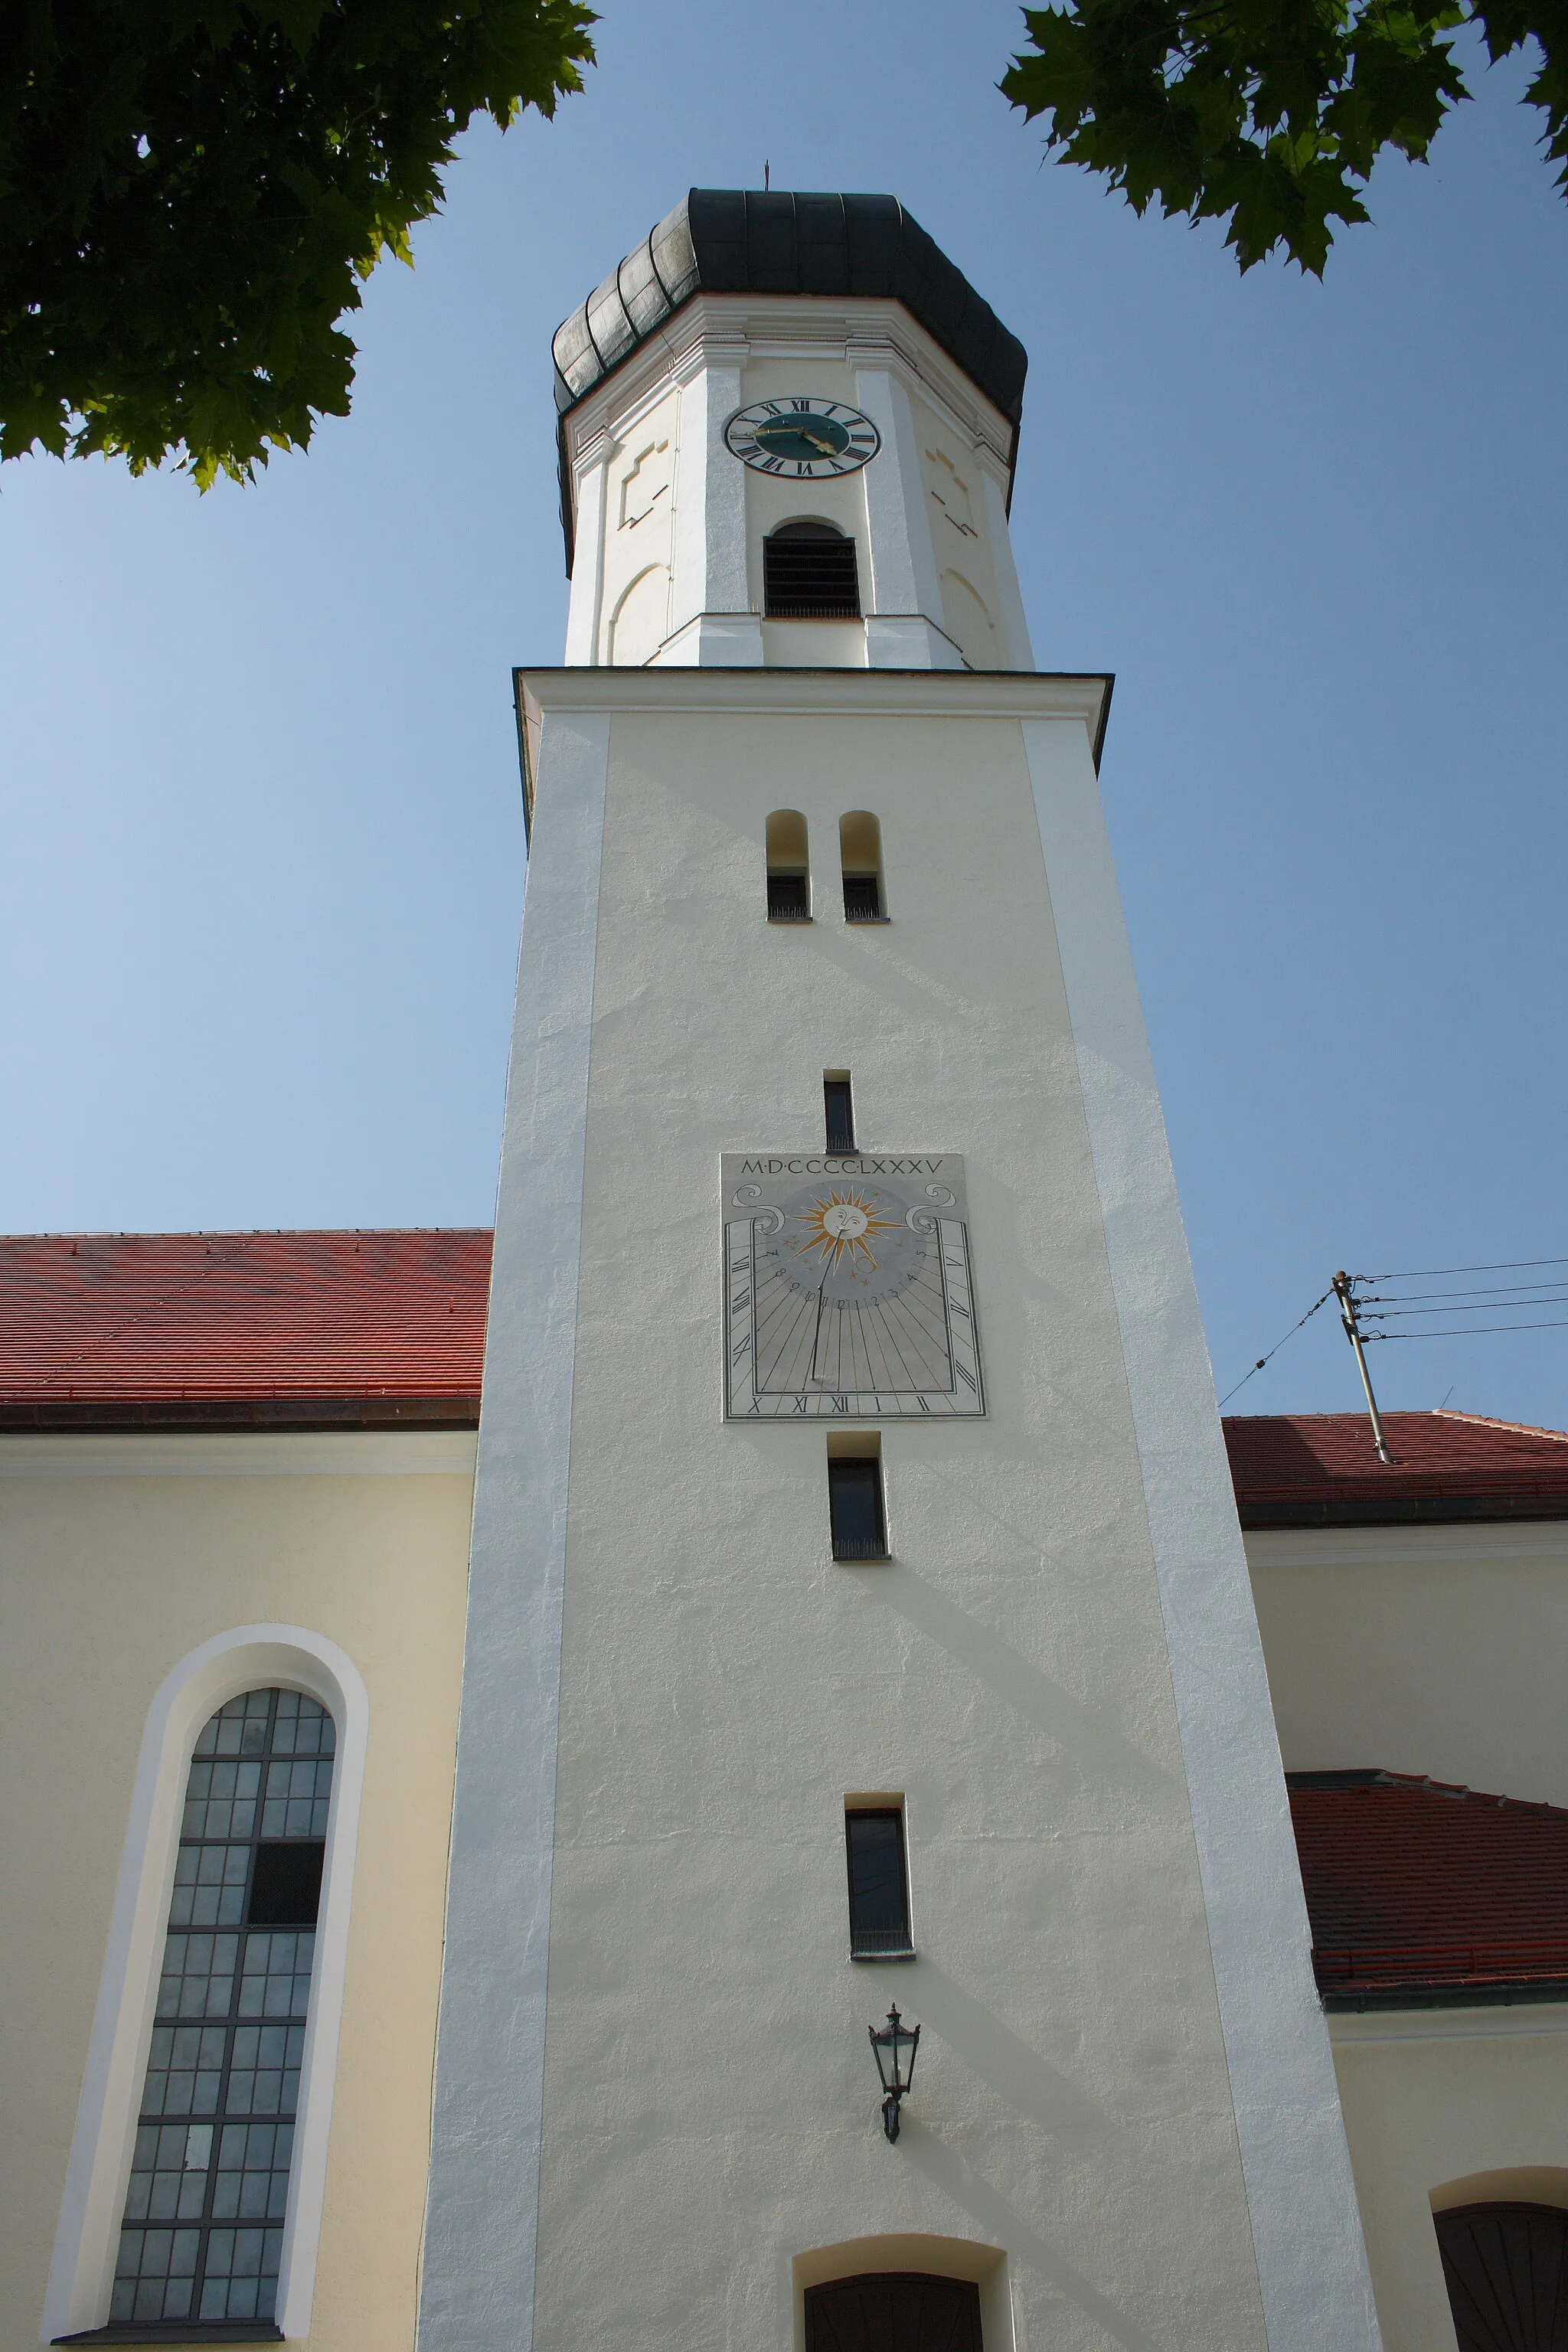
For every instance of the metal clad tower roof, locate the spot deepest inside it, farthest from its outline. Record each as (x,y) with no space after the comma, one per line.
(742,241)
(735,241)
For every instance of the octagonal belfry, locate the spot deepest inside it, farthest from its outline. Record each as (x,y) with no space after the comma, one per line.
(734,305)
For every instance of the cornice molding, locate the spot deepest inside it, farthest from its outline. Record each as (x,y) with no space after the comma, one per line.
(260,1453)
(720,692)
(825,693)
(1347,2028)
(1484,1542)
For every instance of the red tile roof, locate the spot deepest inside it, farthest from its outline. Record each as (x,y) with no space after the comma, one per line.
(1316,1469)
(107,1331)
(1420,1892)
(118,1330)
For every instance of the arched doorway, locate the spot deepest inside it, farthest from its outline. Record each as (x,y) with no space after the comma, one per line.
(893,2311)
(1506,2271)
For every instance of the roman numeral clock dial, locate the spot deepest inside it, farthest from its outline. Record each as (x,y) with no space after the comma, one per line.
(846,1288)
(801,436)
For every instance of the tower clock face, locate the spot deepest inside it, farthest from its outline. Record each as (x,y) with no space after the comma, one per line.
(846,1288)
(801,436)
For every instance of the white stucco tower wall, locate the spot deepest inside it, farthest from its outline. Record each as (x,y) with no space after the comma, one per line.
(656,2118)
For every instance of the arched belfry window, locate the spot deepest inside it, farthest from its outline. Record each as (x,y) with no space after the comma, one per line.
(1506,2271)
(203,2231)
(789,868)
(893,2311)
(860,853)
(809,574)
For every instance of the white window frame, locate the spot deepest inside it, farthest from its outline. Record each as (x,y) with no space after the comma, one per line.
(250,1657)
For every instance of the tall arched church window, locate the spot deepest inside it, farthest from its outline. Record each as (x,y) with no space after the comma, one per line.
(809,574)
(1507,2270)
(203,2230)
(893,2311)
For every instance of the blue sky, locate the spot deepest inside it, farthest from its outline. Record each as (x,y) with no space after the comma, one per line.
(264,849)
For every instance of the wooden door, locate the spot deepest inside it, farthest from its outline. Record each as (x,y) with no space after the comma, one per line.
(893,2311)
(1507,2268)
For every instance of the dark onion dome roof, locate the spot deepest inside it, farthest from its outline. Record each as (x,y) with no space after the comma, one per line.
(742,241)
(735,241)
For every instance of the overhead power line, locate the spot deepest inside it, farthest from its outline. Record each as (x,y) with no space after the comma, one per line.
(1467,1331)
(1488,1307)
(1274,1351)
(1393,1311)
(1487,1290)
(1362,1307)
(1422,1273)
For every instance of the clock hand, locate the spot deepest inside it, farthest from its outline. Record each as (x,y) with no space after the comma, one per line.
(817,441)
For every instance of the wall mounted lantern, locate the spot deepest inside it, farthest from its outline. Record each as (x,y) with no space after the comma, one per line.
(894,2050)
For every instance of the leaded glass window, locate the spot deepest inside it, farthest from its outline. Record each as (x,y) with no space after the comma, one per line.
(209,2179)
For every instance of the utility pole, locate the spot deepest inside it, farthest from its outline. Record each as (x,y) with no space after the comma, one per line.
(1346,1297)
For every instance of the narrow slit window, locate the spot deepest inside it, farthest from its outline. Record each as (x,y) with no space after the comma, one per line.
(878,1883)
(860,855)
(789,868)
(854,1507)
(839,1105)
(203,2232)
(809,574)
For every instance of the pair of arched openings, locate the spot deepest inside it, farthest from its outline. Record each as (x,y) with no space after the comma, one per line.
(860,862)
(193,2191)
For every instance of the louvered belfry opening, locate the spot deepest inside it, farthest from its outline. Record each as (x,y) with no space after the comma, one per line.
(809,573)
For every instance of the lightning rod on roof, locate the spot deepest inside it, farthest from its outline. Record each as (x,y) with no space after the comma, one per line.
(1346,1297)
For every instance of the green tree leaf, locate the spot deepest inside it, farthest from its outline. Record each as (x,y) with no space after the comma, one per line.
(193,192)
(1269,114)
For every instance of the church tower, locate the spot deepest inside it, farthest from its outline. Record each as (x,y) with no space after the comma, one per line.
(859,1618)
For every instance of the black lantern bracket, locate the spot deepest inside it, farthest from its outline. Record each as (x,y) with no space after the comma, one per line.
(893,2046)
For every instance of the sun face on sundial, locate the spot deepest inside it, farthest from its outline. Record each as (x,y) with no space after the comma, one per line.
(845,1241)
(847,1288)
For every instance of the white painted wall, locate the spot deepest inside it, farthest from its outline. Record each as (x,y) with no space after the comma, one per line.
(139,1576)
(1293,2153)
(477,2278)
(1470,2100)
(1441,1650)
(708,2108)
(677,580)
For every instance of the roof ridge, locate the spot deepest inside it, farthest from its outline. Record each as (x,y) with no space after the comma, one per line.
(1489,1421)
(248,1233)
(1355,1779)
(1347,1412)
